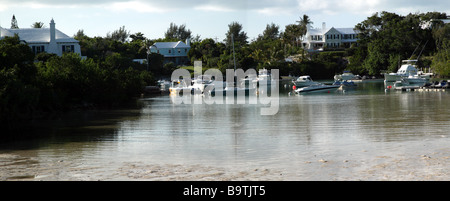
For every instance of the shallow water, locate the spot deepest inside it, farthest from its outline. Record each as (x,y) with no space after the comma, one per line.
(364,133)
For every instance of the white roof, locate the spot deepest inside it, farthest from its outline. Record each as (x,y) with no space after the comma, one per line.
(340,30)
(315,32)
(346,30)
(37,35)
(169,45)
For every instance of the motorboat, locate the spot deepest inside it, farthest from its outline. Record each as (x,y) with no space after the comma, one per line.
(236,90)
(164,85)
(263,74)
(407,69)
(264,77)
(178,86)
(409,83)
(201,82)
(415,80)
(304,81)
(347,75)
(345,83)
(441,84)
(317,88)
(250,81)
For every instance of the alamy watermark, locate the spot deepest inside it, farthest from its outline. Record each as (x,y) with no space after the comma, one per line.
(239,87)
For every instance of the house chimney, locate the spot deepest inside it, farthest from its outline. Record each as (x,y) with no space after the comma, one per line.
(324,26)
(52,31)
(188,42)
(52,46)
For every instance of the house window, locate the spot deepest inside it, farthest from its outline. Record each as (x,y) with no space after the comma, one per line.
(170,51)
(179,51)
(68,48)
(185,50)
(38,49)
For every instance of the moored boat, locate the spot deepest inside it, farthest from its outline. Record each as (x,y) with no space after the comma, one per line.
(304,81)
(178,86)
(345,83)
(347,75)
(407,69)
(317,88)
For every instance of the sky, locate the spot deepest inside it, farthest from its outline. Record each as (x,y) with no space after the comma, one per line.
(207,18)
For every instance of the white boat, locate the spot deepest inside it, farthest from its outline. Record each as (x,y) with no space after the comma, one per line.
(250,81)
(410,82)
(236,91)
(415,80)
(201,82)
(304,81)
(263,74)
(408,68)
(345,83)
(264,77)
(317,88)
(346,76)
(164,85)
(179,86)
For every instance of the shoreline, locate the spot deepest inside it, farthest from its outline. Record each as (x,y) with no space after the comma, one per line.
(426,167)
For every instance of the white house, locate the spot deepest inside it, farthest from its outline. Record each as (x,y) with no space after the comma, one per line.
(49,40)
(318,39)
(175,52)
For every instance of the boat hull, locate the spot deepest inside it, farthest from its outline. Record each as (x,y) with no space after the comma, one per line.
(236,91)
(317,89)
(393,77)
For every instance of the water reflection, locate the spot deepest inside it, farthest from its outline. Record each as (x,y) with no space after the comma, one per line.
(304,123)
(306,126)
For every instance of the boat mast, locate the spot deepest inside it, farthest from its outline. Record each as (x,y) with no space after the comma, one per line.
(234,57)
(234,61)
(422,50)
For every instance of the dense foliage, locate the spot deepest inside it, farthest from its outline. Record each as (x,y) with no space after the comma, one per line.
(387,38)
(32,88)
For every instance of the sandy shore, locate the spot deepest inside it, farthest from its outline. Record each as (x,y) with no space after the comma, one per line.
(430,167)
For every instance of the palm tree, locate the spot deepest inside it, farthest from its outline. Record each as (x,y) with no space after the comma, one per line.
(37,25)
(304,23)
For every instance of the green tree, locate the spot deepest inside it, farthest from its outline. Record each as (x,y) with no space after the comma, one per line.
(176,33)
(441,59)
(385,38)
(235,30)
(18,95)
(137,37)
(272,32)
(291,34)
(119,35)
(37,25)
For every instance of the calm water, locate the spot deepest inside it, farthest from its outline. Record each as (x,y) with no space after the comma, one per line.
(360,124)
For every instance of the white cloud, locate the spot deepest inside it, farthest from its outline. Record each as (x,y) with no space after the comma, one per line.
(138,6)
(267,7)
(213,8)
